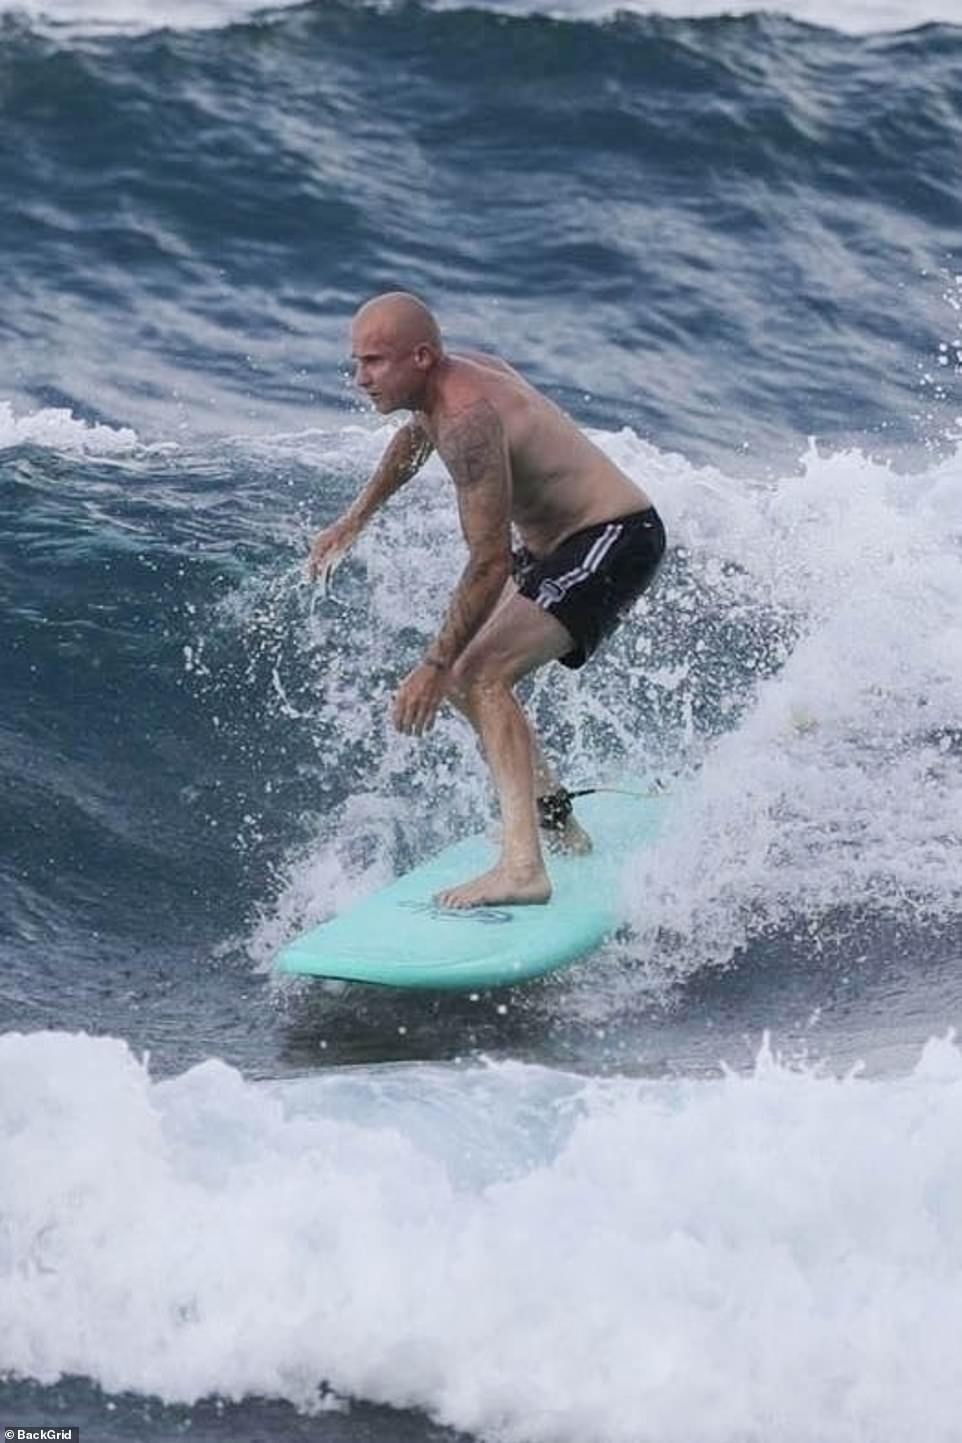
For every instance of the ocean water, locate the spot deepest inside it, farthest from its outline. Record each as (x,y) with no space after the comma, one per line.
(705,1187)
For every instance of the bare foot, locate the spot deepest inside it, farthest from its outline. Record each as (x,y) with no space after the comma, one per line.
(499,887)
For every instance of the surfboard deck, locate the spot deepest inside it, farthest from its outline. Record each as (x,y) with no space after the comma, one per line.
(398,937)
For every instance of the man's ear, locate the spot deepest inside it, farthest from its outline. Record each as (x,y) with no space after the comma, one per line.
(423,357)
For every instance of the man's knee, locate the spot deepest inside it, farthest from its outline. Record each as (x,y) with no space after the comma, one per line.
(473,678)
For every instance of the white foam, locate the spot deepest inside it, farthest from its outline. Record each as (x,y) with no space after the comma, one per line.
(837,787)
(804,665)
(328,876)
(524,1255)
(856,16)
(139,16)
(335,662)
(60,430)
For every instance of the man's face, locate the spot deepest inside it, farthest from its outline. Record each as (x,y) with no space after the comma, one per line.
(384,369)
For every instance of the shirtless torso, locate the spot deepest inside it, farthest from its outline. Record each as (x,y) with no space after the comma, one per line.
(560,480)
(590,544)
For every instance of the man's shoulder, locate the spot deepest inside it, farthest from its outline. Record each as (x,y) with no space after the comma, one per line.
(468,412)
(478,389)
(474,401)
(486,360)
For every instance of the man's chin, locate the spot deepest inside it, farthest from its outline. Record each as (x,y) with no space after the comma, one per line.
(385,407)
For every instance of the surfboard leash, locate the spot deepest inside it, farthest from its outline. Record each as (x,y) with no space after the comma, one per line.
(554,810)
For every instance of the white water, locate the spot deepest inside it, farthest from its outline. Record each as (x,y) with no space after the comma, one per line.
(857,17)
(59,430)
(813,739)
(525,1255)
(766,1259)
(854,16)
(840,786)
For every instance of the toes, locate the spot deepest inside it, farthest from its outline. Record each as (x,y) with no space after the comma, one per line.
(447,899)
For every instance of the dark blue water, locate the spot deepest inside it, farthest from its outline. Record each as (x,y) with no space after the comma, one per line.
(723,233)
(728,245)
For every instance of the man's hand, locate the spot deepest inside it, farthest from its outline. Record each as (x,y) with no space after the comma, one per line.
(329,550)
(418,698)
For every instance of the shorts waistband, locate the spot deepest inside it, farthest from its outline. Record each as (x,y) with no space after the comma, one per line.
(647,515)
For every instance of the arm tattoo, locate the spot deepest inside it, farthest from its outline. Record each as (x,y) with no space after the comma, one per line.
(475,452)
(420,447)
(474,445)
(409,449)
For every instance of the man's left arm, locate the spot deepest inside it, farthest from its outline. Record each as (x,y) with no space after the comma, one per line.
(474,448)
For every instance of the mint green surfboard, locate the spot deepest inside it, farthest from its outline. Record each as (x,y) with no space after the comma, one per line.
(398,937)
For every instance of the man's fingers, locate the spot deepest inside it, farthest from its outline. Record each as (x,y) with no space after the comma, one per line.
(322,564)
(327,574)
(412,723)
(414,714)
(425,719)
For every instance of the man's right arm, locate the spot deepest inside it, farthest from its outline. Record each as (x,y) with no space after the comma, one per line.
(409,448)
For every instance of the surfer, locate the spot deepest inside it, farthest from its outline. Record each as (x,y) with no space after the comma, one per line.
(590,544)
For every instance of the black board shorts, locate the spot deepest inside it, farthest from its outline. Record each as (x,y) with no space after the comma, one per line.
(594,577)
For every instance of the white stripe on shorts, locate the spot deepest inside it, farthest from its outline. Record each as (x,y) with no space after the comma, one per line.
(554,588)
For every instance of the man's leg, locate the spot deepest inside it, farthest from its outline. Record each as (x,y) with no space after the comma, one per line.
(517,638)
(571,835)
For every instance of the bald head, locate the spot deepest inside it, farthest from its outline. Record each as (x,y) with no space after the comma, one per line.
(403,317)
(397,344)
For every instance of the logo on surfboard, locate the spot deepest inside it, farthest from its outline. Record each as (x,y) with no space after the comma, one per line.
(489,916)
